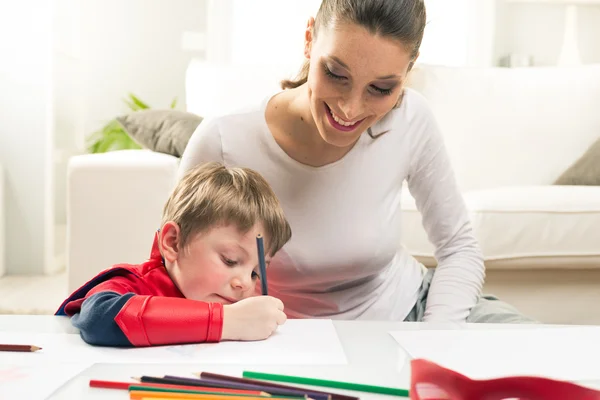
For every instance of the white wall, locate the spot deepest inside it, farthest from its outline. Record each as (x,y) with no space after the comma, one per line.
(139,51)
(445,39)
(65,66)
(105,49)
(589,34)
(26,132)
(537,30)
(459,32)
(265,32)
(278,38)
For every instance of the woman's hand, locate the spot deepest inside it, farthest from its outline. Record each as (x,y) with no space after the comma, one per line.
(254,318)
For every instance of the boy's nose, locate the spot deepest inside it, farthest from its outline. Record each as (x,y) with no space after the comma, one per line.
(242,283)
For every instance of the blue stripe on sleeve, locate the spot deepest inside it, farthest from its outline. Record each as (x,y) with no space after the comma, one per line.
(96,319)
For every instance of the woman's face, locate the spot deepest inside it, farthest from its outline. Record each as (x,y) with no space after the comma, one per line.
(355,78)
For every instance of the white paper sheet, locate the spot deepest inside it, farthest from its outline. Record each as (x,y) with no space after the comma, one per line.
(298,342)
(569,353)
(35,382)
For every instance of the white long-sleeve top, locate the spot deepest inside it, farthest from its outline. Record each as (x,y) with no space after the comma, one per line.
(345,259)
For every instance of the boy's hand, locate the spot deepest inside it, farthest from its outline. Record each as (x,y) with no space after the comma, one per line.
(254,318)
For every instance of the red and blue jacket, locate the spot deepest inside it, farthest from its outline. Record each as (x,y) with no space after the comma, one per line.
(139,305)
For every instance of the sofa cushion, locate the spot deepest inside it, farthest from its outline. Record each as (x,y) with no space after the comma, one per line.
(522,126)
(163,131)
(528,224)
(585,171)
(536,221)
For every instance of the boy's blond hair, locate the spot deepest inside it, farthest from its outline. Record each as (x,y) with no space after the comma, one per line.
(211,194)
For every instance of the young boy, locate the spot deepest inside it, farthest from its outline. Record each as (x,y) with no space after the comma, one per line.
(199,282)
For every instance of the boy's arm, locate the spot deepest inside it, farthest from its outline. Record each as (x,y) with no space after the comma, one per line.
(110,318)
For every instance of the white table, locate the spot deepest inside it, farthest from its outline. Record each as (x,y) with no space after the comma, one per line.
(373,357)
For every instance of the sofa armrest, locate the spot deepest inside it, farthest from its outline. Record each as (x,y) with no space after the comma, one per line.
(114,207)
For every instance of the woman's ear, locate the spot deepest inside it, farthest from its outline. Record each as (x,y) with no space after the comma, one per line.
(308,37)
(413,61)
(168,240)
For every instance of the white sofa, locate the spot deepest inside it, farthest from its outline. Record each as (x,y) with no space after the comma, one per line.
(510,133)
(2,225)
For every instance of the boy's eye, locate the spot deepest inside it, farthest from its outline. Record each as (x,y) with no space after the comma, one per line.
(255,275)
(229,262)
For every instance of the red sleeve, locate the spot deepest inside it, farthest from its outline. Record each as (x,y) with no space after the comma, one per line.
(148,320)
(153,320)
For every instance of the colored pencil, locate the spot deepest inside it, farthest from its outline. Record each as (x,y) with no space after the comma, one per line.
(128,385)
(19,347)
(165,396)
(262,265)
(177,380)
(267,385)
(180,380)
(197,383)
(136,394)
(152,398)
(180,389)
(327,383)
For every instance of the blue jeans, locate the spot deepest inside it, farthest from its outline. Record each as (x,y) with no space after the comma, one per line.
(487,310)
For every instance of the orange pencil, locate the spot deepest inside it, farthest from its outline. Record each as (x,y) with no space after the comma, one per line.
(141,394)
(153,398)
(126,385)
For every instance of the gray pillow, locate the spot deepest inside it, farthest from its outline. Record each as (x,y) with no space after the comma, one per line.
(585,171)
(164,131)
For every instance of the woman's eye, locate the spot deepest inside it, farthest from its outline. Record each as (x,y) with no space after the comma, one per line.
(332,75)
(229,262)
(379,90)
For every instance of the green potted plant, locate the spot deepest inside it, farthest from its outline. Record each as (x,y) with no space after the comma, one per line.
(112,136)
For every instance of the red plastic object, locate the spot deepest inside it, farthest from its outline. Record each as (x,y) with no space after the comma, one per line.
(430,381)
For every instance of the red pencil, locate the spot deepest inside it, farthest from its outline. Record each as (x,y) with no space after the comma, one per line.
(125,386)
(19,347)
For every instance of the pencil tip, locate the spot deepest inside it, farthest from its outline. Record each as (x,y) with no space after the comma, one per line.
(135,378)
(35,348)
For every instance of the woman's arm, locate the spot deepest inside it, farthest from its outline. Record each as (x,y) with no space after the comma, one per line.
(204,146)
(460,272)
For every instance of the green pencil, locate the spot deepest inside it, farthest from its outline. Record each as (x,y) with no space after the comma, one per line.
(327,383)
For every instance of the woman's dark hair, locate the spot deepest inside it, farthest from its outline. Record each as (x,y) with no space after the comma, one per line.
(402,20)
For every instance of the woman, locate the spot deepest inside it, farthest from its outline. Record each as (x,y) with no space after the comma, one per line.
(336,146)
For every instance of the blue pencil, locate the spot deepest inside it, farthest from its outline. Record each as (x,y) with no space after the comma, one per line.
(261,264)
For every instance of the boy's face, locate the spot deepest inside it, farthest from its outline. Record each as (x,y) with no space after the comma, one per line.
(219,265)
